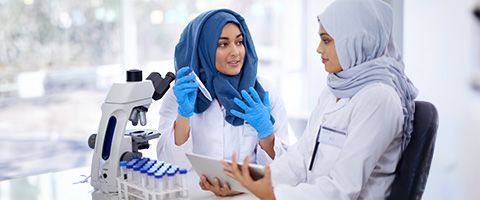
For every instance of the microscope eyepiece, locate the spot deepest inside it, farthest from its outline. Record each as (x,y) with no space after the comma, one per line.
(134,75)
(169,77)
(160,84)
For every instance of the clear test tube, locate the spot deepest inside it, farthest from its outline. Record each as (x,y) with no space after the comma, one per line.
(136,173)
(144,176)
(171,184)
(123,170)
(182,178)
(151,177)
(159,184)
(130,165)
(175,181)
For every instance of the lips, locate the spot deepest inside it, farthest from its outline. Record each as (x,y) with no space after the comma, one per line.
(233,63)
(324,60)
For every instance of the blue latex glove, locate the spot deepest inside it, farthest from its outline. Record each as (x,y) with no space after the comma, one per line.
(257,113)
(185,89)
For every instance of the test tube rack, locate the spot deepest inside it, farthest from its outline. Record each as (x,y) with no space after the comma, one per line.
(131,191)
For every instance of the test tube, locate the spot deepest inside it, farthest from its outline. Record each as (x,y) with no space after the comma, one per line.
(159,184)
(171,183)
(136,173)
(183,183)
(123,170)
(130,165)
(144,175)
(151,177)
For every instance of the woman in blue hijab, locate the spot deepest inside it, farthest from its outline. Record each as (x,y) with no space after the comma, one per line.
(363,119)
(218,104)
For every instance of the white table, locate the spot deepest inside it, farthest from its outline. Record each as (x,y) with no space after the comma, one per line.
(69,184)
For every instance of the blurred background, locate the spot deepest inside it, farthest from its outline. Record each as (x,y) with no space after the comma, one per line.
(58,58)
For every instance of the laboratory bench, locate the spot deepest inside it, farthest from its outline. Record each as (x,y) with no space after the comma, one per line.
(72,184)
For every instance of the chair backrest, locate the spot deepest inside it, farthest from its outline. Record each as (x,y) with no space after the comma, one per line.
(412,170)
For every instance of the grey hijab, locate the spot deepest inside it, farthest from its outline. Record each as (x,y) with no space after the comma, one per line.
(362,30)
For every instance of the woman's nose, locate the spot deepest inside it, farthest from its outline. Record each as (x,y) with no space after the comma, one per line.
(319,48)
(235,51)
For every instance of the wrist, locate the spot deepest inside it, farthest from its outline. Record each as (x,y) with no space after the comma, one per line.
(181,128)
(265,131)
(184,113)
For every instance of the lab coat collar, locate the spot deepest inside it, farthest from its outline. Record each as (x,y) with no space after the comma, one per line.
(335,105)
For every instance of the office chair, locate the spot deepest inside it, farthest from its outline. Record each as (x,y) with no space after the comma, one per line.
(412,170)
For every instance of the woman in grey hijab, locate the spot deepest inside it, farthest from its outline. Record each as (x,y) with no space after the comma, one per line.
(363,119)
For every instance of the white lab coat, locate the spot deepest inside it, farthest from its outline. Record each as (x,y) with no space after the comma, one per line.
(358,165)
(211,135)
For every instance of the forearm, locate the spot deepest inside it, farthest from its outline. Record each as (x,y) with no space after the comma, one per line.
(267,145)
(181,129)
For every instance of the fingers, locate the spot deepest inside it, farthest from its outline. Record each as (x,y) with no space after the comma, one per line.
(240,103)
(216,185)
(183,71)
(227,169)
(266,100)
(226,187)
(245,170)
(191,85)
(226,166)
(237,114)
(185,79)
(235,171)
(268,172)
(203,183)
(248,98)
(254,95)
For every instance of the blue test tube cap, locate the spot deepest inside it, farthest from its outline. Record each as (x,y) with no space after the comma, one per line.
(171,172)
(144,169)
(123,163)
(151,172)
(152,162)
(156,166)
(160,163)
(158,175)
(175,168)
(132,162)
(167,165)
(137,167)
(182,171)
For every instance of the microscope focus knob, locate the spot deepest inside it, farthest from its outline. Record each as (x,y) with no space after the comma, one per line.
(91,141)
(134,75)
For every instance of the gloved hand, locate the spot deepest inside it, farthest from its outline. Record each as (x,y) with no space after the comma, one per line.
(257,113)
(185,89)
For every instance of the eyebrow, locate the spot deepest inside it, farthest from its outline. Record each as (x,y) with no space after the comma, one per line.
(226,38)
(324,34)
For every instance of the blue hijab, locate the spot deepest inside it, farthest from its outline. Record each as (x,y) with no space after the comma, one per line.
(197,49)
(362,30)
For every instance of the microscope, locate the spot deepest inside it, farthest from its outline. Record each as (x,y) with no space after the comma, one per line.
(124,102)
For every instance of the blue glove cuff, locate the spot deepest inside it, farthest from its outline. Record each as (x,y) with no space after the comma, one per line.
(265,131)
(183,113)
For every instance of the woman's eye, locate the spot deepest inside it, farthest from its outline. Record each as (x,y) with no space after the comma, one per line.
(326,41)
(222,44)
(238,43)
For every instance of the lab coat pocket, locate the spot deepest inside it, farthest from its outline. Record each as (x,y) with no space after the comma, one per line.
(249,139)
(331,136)
(330,145)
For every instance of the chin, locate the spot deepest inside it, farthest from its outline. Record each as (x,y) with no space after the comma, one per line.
(234,71)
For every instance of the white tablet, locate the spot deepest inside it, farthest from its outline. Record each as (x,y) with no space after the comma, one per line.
(211,168)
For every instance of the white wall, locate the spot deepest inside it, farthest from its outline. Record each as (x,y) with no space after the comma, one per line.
(441,51)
